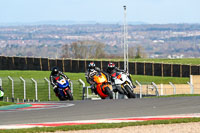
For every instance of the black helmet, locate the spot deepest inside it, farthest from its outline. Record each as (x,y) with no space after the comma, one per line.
(91,66)
(54,71)
(111,66)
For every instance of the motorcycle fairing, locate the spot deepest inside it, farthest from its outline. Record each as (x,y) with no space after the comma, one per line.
(62,83)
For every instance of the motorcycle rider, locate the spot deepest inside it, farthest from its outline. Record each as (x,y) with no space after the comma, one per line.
(92,70)
(1,93)
(113,69)
(54,74)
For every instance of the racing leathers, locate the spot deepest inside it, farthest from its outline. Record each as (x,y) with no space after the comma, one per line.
(114,70)
(53,80)
(89,77)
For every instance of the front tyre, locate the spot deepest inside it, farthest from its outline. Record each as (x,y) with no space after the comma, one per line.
(109,92)
(69,95)
(129,91)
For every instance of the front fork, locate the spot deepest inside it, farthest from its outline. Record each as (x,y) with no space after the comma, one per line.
(125,84)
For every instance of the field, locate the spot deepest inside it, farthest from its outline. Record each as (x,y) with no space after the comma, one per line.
(186,61)
(43,86)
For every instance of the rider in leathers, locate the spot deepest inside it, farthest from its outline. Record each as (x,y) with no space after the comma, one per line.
(113,69)
(56,73)
(92,70)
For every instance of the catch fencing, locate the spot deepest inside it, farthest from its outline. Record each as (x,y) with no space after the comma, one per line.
(79,65)
(18,89)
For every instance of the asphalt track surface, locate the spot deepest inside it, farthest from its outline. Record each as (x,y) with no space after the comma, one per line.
(104,109)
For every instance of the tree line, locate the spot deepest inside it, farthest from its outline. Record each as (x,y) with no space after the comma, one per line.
(94,49)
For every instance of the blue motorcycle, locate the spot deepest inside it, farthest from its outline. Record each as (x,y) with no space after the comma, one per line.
(64,91)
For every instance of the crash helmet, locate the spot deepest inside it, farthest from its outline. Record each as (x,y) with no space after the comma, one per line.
(91,66)
(54,71)
(111,66)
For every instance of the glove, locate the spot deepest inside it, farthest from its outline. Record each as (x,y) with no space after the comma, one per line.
(55,86)
(109,82)
(69,80)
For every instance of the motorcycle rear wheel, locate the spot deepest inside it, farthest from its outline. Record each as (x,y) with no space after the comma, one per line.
(130,93)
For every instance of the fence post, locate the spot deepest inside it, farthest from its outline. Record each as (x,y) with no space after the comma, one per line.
(49,88)
(155,86)
(36,90)
(161,89)
(13,96)
(72,87)
(83,84)
(191,88)
(140,88)
(24,88)
(174,87)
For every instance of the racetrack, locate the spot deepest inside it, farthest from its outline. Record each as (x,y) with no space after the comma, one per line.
(103,109)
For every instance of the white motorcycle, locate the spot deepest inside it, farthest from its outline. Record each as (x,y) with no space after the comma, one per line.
(122,84)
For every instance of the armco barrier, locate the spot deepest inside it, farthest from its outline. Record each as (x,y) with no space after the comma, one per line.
(74,65)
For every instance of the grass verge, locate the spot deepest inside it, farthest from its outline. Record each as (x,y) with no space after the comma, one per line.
(101,126)
(5,103)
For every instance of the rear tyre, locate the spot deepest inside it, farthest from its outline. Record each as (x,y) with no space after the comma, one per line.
(69,95)
(109,92)
(129,91)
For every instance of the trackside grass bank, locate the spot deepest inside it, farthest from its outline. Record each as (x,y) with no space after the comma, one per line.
(100,126)
(5,103)
(185,61)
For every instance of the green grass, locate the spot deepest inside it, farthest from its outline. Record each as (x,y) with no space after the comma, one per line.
(43,86)
(5,103)
(188,61)
(159,80)
(101,126)
(192,61)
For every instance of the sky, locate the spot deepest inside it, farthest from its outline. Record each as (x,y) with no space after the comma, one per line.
(147,11)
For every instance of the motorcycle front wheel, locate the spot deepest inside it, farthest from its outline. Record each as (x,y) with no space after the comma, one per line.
(109,92)
(69,95)
(129,91)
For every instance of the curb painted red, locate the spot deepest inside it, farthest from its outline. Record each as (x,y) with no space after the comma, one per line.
(114,120)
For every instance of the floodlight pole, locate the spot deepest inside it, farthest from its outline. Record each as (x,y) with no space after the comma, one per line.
(125,42)
(124,38)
